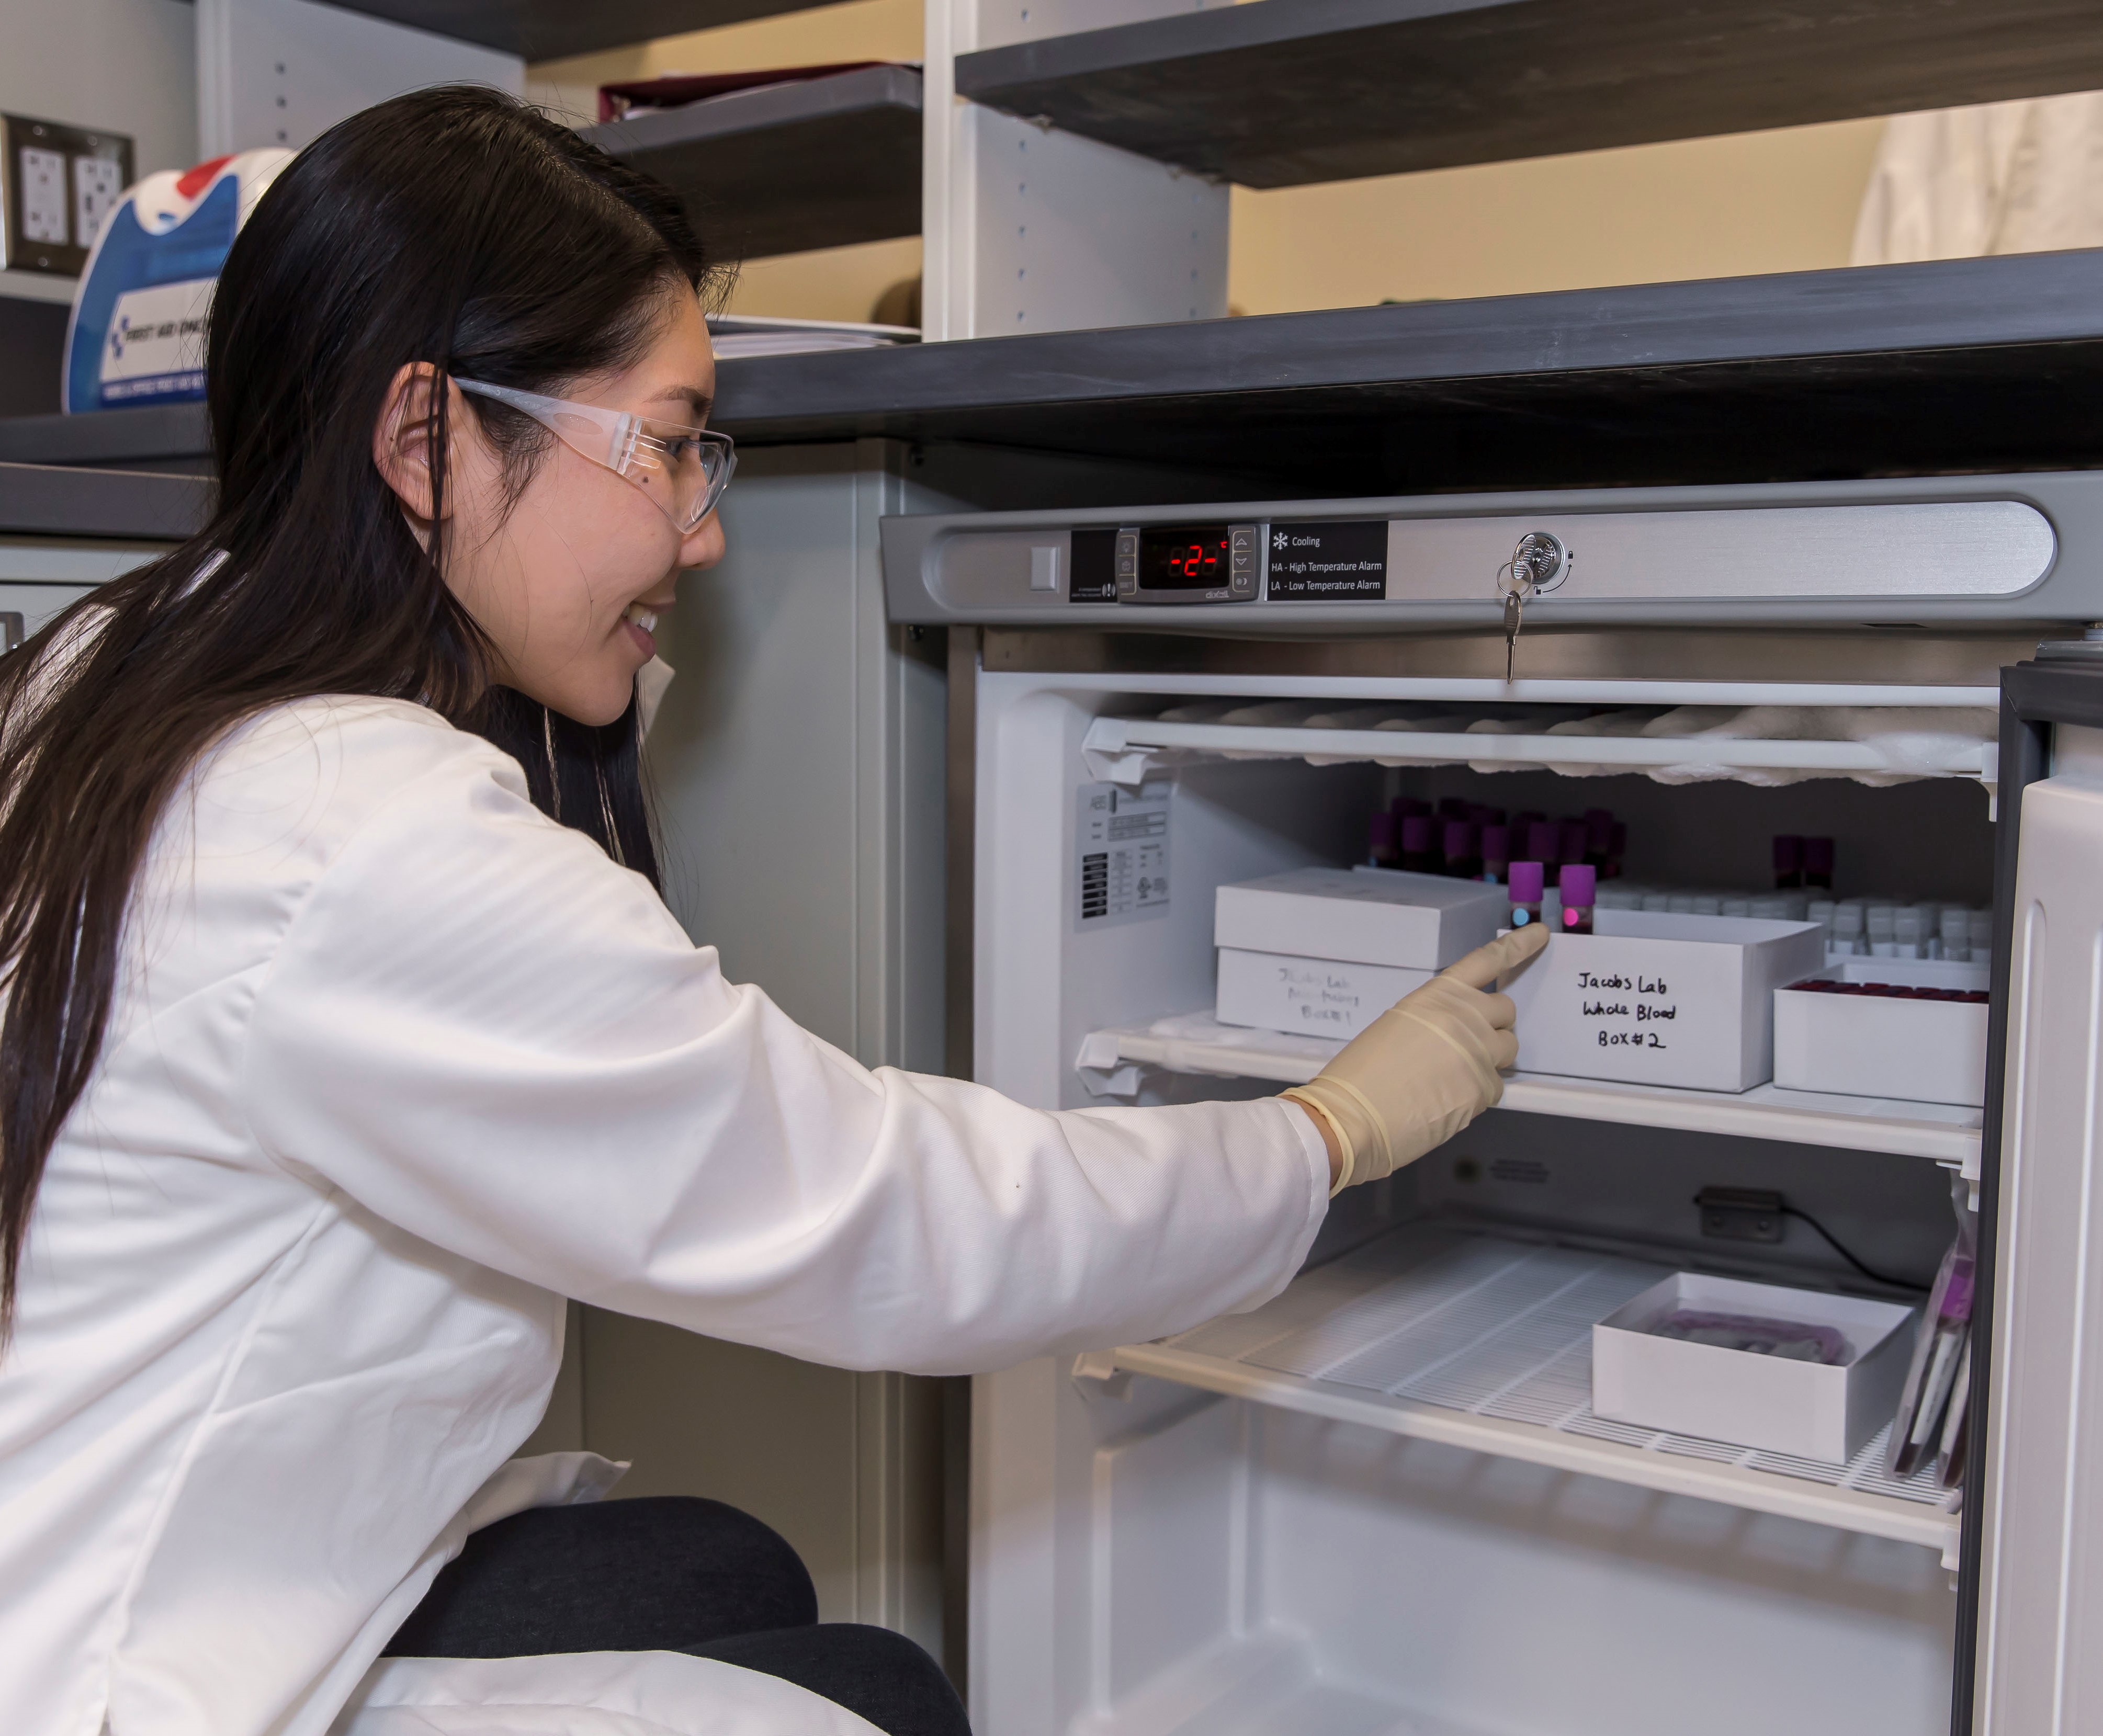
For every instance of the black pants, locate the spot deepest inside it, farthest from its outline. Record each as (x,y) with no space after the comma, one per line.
(670,1574)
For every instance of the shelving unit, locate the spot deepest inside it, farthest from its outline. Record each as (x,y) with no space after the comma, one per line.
(1289,91)
(1198,1044)
(1486,1344)
(59,500)
(820,162)
(550,29)
(1954,364)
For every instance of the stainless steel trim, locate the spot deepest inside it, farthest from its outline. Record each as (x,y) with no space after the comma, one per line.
(1911,549)
(958,933)
(1877,656)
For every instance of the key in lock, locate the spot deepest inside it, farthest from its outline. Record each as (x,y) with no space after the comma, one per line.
(1541,562)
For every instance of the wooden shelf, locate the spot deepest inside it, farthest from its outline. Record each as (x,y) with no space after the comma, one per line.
(1486,1344)
(822,162)
(548,30)
(1284,92)
(1946,1133)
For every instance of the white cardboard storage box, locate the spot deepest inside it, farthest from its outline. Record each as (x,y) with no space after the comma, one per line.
(1807,1409)
(1360,916)
(1316,997)
(1880,1045)
(1652,998)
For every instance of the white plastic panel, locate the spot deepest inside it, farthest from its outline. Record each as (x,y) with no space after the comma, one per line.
(283,72)
(2040,1668)
(1028,229)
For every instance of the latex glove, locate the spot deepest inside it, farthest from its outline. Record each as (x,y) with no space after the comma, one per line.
(1425,1067)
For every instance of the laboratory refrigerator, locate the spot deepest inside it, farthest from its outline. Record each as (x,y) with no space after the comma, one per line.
(1382,1502)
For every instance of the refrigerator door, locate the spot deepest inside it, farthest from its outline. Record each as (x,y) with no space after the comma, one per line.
(2033,1556)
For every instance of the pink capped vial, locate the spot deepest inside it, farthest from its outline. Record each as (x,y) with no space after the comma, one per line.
(1579,884)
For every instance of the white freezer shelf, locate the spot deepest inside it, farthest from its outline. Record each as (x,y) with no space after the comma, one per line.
(1122,748)
(1947,1134)
(1485,1343)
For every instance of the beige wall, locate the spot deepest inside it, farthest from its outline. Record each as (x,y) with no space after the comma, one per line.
(834,283)
(1728,206)
(1749,202)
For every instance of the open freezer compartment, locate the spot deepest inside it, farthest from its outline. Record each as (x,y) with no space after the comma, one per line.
(1382,1502)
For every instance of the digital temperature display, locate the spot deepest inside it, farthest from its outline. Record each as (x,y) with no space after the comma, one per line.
(1185,557)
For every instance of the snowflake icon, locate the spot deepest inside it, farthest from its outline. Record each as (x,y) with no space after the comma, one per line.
(1277,541)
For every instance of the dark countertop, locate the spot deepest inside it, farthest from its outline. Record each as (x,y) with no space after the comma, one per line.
(129,505)
(1957,364)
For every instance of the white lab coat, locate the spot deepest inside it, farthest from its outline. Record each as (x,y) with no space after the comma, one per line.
(397,1064)
(2023,176)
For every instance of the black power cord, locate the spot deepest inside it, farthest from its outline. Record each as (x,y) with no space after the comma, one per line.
(1841,1248)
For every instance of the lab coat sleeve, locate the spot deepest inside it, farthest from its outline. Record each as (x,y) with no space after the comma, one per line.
(486,1034)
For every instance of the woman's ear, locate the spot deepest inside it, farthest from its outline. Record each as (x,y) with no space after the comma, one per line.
(401,438)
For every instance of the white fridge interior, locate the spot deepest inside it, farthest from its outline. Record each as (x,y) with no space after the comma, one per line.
(1381,1503)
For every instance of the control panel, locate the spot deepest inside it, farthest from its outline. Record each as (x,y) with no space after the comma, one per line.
(1902,549)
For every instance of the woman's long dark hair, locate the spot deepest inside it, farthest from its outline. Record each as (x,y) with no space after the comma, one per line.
(455,227)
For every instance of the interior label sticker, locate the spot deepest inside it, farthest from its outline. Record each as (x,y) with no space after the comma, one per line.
(1121,855)
(1344,560)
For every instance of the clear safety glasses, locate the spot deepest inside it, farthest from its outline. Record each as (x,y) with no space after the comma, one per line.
(683,470)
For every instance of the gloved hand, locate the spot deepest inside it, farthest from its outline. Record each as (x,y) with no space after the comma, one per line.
(1425,1067)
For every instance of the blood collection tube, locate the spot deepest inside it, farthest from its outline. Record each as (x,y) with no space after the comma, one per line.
(1818,862)
(1528,880)
(1381,851)
(1570,841)
(1599,837)
(1580,887)
(1497,853)
(1787,861)
(1420,853)
(1544,842)
(1463,850)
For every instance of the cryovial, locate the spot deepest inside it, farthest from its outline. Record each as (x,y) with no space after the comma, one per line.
(1980,924)
(1788,859)
(1462,857)
(1420,849)
(1954,925)
(1570,844)
(1818,862)
(1909,932)
(1496,852)
(1849,939)
(1528,880)
(1544,841)
(1881,920)
(1381,851)
(1578,885)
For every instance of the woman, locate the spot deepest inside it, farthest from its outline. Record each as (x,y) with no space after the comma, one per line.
(346,1033)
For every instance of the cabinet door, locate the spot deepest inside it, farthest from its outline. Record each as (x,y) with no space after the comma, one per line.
(2029,1659)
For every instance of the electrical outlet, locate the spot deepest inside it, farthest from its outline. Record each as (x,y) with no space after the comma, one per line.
(57,186)
(1740,1213)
